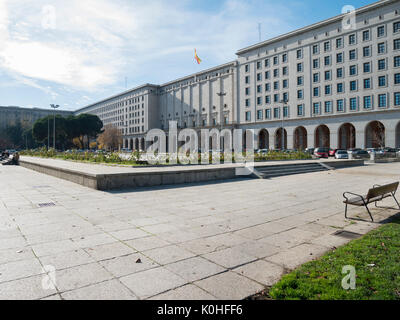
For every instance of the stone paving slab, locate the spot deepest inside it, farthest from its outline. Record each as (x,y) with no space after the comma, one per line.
(261,271)
(108,290)
(206,241)
(229,286)
(187,292)
(152,282)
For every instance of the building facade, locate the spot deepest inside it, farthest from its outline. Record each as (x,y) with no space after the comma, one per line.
(326,85)
(26,117)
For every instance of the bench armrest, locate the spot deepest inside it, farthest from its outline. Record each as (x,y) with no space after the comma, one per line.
(354,194)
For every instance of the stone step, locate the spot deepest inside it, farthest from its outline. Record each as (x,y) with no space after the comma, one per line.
(289,167)
(290,170)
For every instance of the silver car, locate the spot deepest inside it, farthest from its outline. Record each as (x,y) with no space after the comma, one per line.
(341,154)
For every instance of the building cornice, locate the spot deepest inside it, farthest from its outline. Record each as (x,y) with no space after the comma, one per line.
(200,73)
(118,95)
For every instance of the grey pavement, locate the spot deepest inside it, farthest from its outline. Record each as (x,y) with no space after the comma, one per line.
(60,240)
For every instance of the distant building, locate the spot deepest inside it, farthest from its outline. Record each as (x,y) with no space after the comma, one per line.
(11,116)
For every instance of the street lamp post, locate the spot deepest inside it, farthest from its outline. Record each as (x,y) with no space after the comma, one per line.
(48,132)
(54,124)
(26,133)
(221,107)
(221,95)
(284,101)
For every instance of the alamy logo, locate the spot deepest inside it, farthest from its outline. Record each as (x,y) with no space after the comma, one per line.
(349,19)
(349,281)
(49,17)
(207,146)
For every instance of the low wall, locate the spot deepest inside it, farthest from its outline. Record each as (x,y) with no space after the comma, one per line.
(137,180)
(113,181)
(87,180)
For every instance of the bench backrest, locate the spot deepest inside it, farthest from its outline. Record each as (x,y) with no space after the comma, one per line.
(382,190)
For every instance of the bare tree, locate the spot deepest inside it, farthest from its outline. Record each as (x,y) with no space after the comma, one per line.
(111,138)
(378,135)
(324,137)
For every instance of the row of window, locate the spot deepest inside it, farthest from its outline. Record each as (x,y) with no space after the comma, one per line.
(115,105)
(352,40)
(328,106)
(328,89)
(135,114)
(135,129)
(203,122)
(340,87)
(366,103)
(382,64)
(135,121)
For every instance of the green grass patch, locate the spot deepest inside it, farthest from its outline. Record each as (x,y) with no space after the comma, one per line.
(376,258)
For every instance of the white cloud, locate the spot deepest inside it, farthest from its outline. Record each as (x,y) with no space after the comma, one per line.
(96,43)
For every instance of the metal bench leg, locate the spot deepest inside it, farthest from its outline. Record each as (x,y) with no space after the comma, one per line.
(345,212)
(369,212)
(396,200)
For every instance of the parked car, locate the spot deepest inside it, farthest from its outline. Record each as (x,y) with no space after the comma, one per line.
(332,152)
(360,154)
(370,150)
(321,152)
(341,154)
(262,151)
(310,150)
(387,152)
(350,151)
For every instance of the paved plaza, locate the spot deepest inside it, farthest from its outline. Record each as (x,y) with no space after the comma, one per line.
(227,240)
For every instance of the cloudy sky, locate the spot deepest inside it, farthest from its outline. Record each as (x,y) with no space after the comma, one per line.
(75,52)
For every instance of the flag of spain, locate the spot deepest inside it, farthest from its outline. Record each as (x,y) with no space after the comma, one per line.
(197,57)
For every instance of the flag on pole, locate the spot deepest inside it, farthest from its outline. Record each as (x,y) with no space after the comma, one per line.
(197,57)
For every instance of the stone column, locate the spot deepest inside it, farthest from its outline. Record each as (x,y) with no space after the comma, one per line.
(360,139)
(310,136)
(290,137)
(390,137)
(334,140)
(271,139)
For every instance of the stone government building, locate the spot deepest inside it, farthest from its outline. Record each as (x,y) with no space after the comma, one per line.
(341,87)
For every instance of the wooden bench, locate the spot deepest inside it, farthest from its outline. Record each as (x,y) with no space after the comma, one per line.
(375,194)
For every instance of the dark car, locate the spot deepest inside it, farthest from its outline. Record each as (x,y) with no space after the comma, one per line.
(360,154)
(321,152)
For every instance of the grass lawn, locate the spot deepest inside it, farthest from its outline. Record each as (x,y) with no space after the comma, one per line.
(376,258)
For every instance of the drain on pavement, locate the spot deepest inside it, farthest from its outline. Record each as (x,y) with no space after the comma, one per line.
(44,205)
(347,234)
